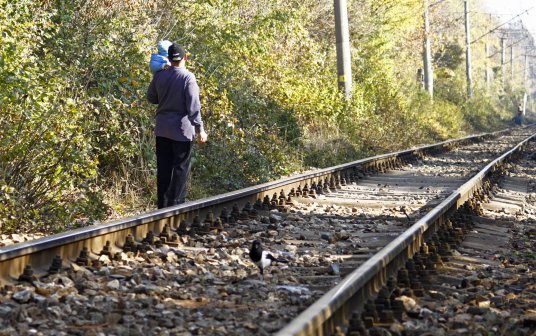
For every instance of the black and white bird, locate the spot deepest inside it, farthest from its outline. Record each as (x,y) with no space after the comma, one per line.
(262,258)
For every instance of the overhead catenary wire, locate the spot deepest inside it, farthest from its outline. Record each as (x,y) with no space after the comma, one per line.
(511,45)
(519,56)
(502,24)
(436,3)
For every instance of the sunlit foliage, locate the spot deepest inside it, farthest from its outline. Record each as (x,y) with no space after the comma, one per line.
(76,132)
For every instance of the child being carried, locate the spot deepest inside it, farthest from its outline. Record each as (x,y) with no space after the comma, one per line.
(160,61)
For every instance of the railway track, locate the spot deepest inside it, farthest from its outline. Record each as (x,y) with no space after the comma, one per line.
(185,270)
(485,285)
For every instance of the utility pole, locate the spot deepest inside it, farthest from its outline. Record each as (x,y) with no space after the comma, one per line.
(503,58)
(512,63)
(525,87)
(488,70)
(427,58)
(344,65)
(526,69)
(468,51)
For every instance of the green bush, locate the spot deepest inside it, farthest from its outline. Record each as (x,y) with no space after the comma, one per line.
(76,131)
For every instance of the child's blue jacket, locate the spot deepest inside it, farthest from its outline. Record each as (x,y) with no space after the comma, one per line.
(158,61)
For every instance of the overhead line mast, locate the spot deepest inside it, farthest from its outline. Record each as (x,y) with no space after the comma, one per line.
(468,51)
(344,65)
(427,58)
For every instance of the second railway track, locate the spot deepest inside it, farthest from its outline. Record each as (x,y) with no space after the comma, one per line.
(326,224)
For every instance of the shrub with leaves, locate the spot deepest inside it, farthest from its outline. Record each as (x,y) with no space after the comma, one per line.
(76,131)
(47,171)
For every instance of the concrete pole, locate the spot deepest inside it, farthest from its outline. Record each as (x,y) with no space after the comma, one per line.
(427,58)
(503,58)
(344,65)
(488,70)
(526,70)
(468,51)
(512,63)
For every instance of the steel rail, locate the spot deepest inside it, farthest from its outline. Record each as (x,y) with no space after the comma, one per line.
(40,252)
(335,307)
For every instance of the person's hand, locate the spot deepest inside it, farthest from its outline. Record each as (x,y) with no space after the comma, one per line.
(202,137)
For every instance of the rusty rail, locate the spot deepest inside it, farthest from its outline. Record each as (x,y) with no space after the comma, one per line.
(335,307)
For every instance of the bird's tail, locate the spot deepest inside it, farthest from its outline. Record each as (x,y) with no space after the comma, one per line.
(281,260)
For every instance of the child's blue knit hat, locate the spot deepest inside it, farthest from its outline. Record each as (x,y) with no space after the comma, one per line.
(163,47)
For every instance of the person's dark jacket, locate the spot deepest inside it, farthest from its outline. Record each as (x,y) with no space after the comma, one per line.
(178,115)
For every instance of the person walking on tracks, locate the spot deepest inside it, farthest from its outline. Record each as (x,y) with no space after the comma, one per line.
(178,122)
(518,119)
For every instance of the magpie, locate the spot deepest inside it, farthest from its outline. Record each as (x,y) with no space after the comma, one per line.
(262,258)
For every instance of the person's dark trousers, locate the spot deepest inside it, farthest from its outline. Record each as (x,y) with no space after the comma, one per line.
(173,162)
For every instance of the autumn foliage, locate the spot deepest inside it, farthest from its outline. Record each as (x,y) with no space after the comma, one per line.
(76,132)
